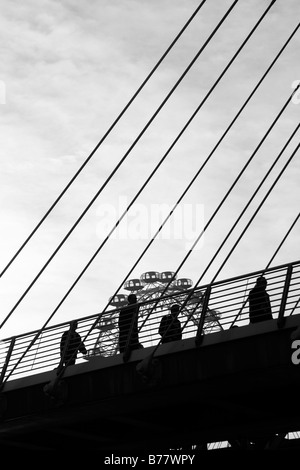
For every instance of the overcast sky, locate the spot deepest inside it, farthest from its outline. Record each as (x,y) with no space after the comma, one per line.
(67,69)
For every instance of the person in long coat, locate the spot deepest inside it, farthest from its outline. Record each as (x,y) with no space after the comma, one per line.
(259,302)
(70,344)
(170,326)
(128,325)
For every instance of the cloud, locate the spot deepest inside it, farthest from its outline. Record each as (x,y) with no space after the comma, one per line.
(69,68)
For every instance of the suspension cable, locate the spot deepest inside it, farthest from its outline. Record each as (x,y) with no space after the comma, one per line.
(168,151)
(248,203)
(210,155)
(201,168)
(97,251)
(118,165)
(240,216)
(245,229)
(255,213)
(228,192)
(282,241)
(264,199)
(267,267)
(103,138)
(280,175)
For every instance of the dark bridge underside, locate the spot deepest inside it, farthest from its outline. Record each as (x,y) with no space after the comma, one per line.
(240,384)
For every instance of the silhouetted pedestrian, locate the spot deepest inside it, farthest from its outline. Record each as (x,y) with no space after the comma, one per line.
(259,302)
(128,325)
(170,326)
(70,344)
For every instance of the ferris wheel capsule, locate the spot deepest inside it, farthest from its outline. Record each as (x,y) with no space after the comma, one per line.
(134,285)
(118,300)
(150,277)
(184,283)
(167,276)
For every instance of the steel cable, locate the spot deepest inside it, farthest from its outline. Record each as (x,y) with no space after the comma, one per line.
(255,213)
(97,251)
(95,254)
(116,168)
(229,191)
(242,234)
(248,204)
(103,138)
(268,265)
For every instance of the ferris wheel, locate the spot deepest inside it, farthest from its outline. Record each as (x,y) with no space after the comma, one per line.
(150,287)
(179,292)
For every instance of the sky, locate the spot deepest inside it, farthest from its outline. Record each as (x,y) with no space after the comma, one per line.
(68,68)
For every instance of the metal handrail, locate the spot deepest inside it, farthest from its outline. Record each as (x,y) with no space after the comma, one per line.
(226,301)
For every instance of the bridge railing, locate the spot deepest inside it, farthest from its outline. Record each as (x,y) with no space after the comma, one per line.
(232,297)
(227,306)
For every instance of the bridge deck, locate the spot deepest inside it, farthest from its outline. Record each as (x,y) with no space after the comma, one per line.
(239,383)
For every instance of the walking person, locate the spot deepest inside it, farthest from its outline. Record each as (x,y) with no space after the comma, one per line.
(259,302)
(70,344)
(128,325)
(170,326)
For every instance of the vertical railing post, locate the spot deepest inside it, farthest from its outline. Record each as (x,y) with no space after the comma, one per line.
(198,339)
(7,359)
(133,329)
(281,319)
